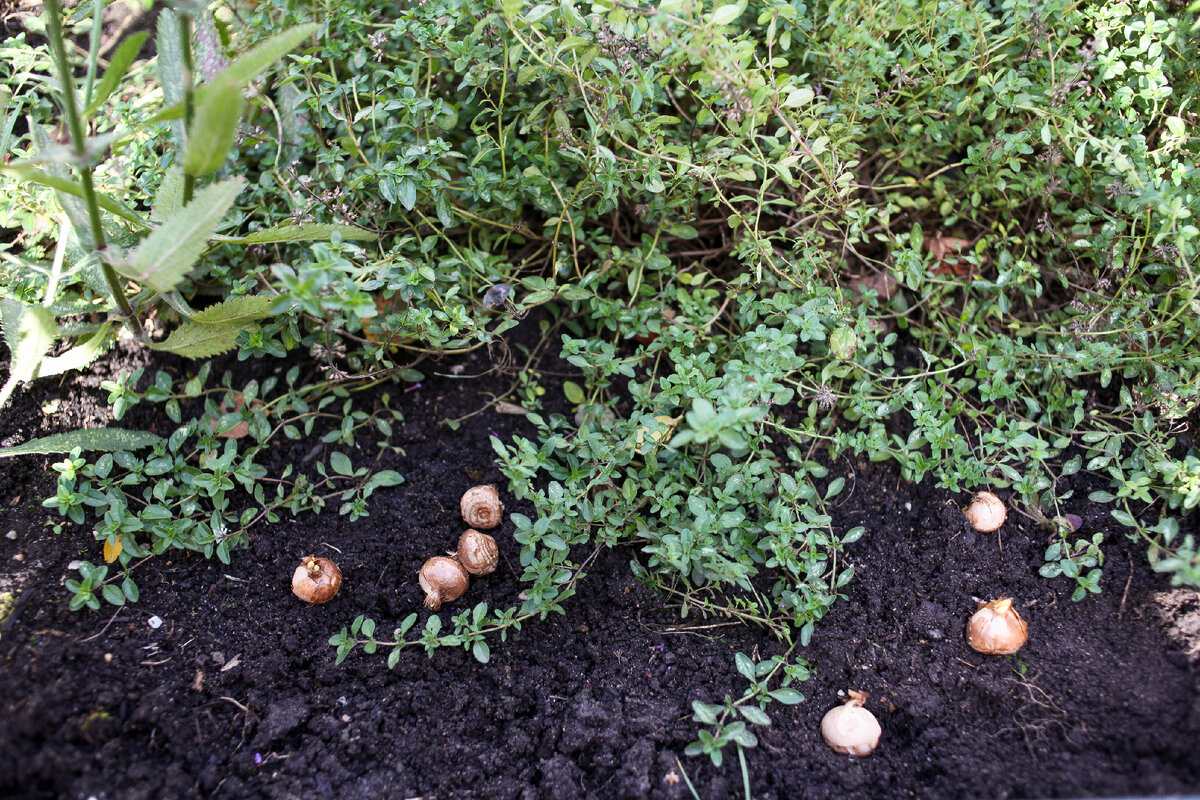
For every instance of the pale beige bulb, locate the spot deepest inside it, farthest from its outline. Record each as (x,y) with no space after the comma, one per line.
(986,512)
(850,728)
(316,580)
(996,629)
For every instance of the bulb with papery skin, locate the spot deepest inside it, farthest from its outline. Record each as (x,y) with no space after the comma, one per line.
(996,629)
(316,580)
(442,579)
(477,552)
(481,507)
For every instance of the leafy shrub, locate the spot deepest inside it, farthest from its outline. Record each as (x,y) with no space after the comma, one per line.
(956,236)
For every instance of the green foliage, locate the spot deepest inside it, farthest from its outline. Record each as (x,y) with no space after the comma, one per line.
(97,249)
(204,487)
(765,235)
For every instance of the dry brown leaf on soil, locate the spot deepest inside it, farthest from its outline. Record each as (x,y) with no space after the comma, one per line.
(949,252)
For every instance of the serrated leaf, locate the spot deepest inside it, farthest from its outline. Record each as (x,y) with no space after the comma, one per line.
(201,340)
(36,332)
(236,310)
(311,231)
(263,55)
(169,197)
(170,68)
(165,256)
(214,127)
(102,439)
(118,65)
(80,355)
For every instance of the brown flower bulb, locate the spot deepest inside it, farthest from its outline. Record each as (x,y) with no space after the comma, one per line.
(481,507)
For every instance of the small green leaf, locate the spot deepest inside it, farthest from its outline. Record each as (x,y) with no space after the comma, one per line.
(481,651)
(573,392)
(341,464)
(445,211)
(744,665)
(113,594)
(789,697)
(755,715)
(725,14)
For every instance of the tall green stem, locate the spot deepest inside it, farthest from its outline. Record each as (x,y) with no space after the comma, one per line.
(83,164)
(189,94)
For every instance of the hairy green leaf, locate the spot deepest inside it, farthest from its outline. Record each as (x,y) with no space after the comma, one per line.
(259,58)
(235,310)
(169,197)
(170,68)
(117,67)
(307,232)
(163,259)
(201,339)
(80,355)
(214,127)
(36,332)
(104,439)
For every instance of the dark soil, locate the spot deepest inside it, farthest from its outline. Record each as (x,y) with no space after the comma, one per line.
(236,695)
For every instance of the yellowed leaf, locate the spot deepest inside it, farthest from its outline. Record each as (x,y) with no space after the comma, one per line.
(112,549)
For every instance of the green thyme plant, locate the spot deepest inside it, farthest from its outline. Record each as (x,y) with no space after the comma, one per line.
(203,488)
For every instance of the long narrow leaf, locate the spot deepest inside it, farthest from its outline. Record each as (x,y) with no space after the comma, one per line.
(36,332)
(201,339)
(80,355)
(170,69)
(69,186)
(117,68)
(165,256)
(236,310)
(307,232)
(259,58)
(106,439)
(214,127)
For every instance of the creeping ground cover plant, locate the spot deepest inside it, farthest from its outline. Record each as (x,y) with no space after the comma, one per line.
(761,236)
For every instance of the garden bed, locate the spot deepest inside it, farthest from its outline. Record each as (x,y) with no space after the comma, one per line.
(237,695)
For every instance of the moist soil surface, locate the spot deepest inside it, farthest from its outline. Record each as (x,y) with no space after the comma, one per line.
(236,694)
